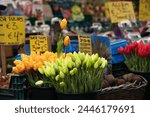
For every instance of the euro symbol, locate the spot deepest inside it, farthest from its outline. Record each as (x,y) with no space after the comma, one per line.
(10,36)
(8,26)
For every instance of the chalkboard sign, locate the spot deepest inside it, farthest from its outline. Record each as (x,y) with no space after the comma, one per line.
(12,30)
(121,11)
(144,13)
(38,43)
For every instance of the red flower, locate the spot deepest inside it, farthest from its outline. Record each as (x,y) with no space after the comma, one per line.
(121,50)
(127,49)
(133,45)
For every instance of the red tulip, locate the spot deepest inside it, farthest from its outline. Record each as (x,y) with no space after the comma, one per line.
(121,50)
(133,45)
(127,49)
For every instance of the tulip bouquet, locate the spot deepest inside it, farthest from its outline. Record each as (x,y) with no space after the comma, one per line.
(79,73)
(137,56)
(31,64)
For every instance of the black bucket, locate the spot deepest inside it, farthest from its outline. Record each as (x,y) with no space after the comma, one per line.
(77,96)
(42,93)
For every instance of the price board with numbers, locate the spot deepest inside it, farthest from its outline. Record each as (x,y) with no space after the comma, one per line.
(85,44)
(38,43)
(144,13)
(121,11)
(12,30)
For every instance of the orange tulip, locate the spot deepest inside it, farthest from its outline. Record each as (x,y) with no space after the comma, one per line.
(15,70)
(63,24)
(20,67)
(67,41)
(17,62)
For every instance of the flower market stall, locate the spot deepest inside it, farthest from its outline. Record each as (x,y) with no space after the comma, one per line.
(73,50)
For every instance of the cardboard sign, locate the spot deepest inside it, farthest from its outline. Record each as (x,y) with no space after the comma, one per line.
(38,43)
(85,44)
(12,30)
(121,11)
(107,9)
(144,13)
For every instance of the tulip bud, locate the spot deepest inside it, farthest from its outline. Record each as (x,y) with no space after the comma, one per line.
(77,63)
(47,71)
(100,61)
(39,83)
(104,63)
(41,70)
(61,74)
(73,58)
(66,41)
(65,70)
(75,70)
(63,24)
(72,72)
(96,64)
(57,78)
(55,67)
(81,56)
(62,84)
(85,59)
(52,71)
(95,58)
(60,68)
(70,64)
(47,63)
(89,62)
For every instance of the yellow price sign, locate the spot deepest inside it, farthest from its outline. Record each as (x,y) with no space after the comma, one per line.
(107,9)
(144,13)
(85,44)
(38,43)
(121,11)
(12,30)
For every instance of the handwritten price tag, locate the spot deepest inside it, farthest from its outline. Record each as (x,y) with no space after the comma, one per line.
(12,30)
(144,14)
(107,9)
(121,11)
(85,44)
(38,43)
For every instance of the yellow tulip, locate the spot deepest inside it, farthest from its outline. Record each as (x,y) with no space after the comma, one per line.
(63,24)
(15,70)
(17,62)
(67,41)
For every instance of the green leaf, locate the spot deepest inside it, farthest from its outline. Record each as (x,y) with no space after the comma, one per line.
(59,46)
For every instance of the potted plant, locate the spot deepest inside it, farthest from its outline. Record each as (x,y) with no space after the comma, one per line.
(137,59)
(76,77)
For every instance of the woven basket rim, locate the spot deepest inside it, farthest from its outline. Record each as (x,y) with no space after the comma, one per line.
(127,86)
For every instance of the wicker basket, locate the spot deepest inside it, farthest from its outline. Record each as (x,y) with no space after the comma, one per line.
(128,91)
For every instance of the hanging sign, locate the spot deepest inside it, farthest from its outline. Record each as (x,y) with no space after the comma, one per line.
(144,13)
(12,30)
(38,43)
(85,44)
(121,11)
